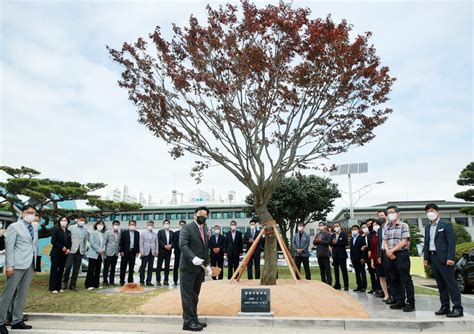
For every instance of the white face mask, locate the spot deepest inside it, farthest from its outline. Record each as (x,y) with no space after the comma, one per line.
(116,227)
(233,227)
(29,218)
(181,226)
(321,228)
(337,229)
(300,228)
(81,223)
(150,228)
(376,228)
(63,223)
(132,227)
(392,217)
(354,233)
(365,229)
(217,231)
(166,226)
(252,227)
(431,215)
(100,227)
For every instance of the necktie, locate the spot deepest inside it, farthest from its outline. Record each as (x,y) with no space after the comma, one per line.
(202,232)
(253,233)
(30,229)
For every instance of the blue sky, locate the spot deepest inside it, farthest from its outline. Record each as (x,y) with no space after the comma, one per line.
(59,96)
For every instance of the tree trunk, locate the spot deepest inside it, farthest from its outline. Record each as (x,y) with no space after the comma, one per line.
(269,273)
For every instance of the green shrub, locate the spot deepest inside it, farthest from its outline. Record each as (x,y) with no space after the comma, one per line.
(463,248)
(462,235)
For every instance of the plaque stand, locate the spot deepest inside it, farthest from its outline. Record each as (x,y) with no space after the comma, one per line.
(255,314)
(295,273)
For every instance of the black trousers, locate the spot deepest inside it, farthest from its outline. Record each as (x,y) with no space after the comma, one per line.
(110,263)
(218,261)
(177,258)
(325,270)
(56,273)
(374,280)
(190,287)
(305,261)
(361,276)
(340,264)
(166,258)
(93,273)
(385,261)
(147,262)
(447,285)
(128,259)
(232,264)
(400,278)
(74,262)
(254,262)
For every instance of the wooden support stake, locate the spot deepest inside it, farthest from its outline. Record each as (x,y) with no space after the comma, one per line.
(286,255)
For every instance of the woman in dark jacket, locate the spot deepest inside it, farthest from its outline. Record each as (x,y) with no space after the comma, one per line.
(61,241)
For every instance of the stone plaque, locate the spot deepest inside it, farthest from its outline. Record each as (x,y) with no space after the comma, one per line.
(255,300)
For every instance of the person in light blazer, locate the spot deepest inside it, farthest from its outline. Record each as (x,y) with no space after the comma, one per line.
(79,238)
(21,248)
(301,250)
(148,252)
(61,242)
(112,242)
(95,253)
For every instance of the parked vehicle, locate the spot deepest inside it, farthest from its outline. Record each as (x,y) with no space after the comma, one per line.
(464,272)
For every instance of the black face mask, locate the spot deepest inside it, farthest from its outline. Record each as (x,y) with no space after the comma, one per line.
(381,220)
(200,220)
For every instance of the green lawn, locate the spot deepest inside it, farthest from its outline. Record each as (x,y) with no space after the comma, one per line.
(84,301)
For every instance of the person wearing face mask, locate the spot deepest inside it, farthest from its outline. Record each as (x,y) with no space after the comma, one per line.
(249,238)
(61,242)
(193,243)
(322,240)
(216,247)
(148,251)
(357,258)
(129,249)
(301,250)
(165,240)
(233,248)
(95,253)
(79,238)
(439,251)
(21,248)
(177,251)
(396,243)
(339,256)
(382,215)
(368,233)
(374,264)
(112,242)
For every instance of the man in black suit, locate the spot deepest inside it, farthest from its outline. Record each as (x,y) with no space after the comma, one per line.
(194,255)
(129,249)
(358,258)
(165,241)
(216,247)
(249,239)
(177,252)
(439,251)
(339,243)
(322,241)
(233,248)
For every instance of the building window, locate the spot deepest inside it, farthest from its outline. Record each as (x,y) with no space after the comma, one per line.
(137,217)
(311,232)
(412,221)
(227,215)
(126,217)
(171,216)
(191,215)
(181,216)
(147,216)
(114,217)
(425,221)
(92,219)
(240,215)
(461,221)
(216,215)
(158,216)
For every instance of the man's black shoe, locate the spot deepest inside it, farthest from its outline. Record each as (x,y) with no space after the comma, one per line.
(21,325)
(356,290)
(455,313)
(3,329)
(73,288)
(149,284)
(202,324)
(397,306)
(443,310)
(346,288)
(192,326)
(113,284)
(409,308)
(175,283)
(362,290)
(370,291)
(379,294)
(337,287)
(166,283)
(390,301)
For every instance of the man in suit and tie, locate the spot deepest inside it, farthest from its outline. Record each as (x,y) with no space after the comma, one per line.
(194,256)
(301,250)
(177,251)
(249,239)
(322,240)
(79,238)
(339,242)
(112,242)
(216,247)
(358,258)
(129,248)
(165,241)
(148,252)
(233,248)
(21,249)
(439,251)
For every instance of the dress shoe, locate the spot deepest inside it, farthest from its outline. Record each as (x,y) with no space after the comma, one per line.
(337,287)
(21,325)
(455,313)
(113,284)
(202,324)
(379,294)
(142,283)
(390,301)
(346,288)
(105,284)
(409,308)
(192,326)
(149,284)
(73,288)
(64,286)
(175,283)
(443,310)
(362,290)
(370,291)
(3,329)
(166,283)
(397,306)
(356,290)
(158,284)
